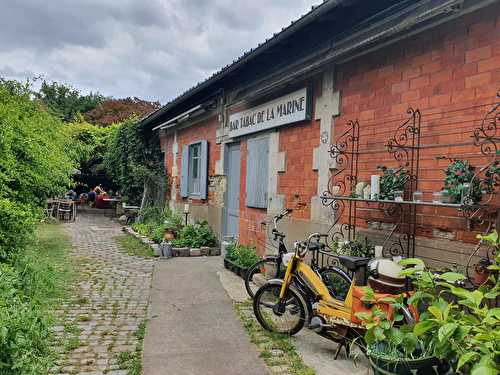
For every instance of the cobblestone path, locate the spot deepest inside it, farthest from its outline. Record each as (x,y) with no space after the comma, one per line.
(98,323)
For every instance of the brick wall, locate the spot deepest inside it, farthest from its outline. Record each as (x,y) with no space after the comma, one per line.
(204,130)
(452,74)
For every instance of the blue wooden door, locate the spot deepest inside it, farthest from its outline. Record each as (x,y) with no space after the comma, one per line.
(233,191)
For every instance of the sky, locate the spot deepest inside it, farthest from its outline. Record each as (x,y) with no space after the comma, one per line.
(151,49)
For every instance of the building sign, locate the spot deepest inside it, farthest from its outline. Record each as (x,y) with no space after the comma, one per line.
(287,109)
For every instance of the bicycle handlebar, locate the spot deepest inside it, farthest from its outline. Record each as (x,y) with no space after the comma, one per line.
(306,244)
(278,218)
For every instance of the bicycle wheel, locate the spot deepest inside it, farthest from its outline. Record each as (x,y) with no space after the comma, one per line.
(261,272)
(289,318)
(337,282)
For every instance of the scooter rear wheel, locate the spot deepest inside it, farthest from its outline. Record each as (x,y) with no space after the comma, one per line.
(288,318)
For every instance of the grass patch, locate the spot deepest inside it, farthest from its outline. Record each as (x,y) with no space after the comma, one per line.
(132,361)
(32,284)
(47,272)
(72,329)
(71,344)
(133,246)
(269,341)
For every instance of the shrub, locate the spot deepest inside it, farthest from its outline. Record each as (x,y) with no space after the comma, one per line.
(196,235)
(133,159)
(16,225)
(243,256)
(24,329)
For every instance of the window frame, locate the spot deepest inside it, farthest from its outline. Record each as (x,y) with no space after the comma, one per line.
(191,180)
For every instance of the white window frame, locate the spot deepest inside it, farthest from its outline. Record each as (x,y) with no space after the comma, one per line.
(192,191)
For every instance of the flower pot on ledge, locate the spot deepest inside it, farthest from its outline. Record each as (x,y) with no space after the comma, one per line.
(180,251)
(235,268)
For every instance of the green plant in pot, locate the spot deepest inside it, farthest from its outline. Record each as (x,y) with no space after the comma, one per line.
(457,174)
(359,247)
(457,332)
(391,181)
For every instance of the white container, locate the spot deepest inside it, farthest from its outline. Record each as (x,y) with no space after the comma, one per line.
(379,251)
(367,192)
(375,186)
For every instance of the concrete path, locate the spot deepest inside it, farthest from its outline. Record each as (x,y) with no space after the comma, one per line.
(192,327)
(97,322)
(316,351)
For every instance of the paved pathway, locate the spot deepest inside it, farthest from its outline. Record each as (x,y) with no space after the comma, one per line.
(192,327)
(109,301)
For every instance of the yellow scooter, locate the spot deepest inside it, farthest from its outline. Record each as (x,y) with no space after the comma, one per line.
(283,305)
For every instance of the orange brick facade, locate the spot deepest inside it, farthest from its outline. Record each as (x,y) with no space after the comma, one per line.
(451,74)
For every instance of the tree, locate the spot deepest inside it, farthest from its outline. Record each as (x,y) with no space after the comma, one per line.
(88,146)
(134,160)
(65,102)
(117,110)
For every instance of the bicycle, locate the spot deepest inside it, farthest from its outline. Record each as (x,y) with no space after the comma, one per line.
(284,306)
(274,266)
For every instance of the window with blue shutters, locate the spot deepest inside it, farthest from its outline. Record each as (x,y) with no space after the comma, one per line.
(257,170)
(194,176)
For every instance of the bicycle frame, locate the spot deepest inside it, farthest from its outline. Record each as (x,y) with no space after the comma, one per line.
(327,305)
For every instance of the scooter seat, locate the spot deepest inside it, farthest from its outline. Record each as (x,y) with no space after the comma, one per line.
(353,263)
(314,246)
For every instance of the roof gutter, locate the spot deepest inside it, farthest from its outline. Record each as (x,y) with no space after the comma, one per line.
(195,111)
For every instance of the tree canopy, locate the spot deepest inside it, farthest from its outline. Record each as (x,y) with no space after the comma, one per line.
(65,101)
(112,111)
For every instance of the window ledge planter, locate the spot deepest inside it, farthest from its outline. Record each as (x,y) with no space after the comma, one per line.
(382,365)
(235,268)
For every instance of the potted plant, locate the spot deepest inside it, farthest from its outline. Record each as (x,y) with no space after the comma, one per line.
(457,332)
(239,258)
(392,180)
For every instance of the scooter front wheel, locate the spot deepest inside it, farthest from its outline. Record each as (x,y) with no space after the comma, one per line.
(288,317)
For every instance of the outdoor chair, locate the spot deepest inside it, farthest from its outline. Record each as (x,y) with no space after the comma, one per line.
(66,210)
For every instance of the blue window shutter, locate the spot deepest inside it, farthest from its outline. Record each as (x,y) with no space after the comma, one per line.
(257,171)
(204,170)
(185,171)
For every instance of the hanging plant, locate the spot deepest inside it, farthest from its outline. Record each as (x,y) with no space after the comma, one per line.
(391,181)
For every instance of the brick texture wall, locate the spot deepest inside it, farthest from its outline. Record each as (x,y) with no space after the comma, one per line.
(204,130)
(451,74)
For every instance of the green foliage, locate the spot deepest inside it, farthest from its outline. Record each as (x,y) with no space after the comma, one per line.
(88,144)
(66,102)
(392,180)
(133,246)
(28,289)
(16,225)
(33,161)
(196,235)
(154,222)
(457,174)
(456,325)
(133,159)
(357,248)
(243,256)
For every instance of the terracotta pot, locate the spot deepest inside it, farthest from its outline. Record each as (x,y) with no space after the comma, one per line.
(169,235)
(481,272)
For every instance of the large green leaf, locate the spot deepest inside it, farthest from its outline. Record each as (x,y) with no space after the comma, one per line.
(451,277)
(412,262)
(446,331)
(467,357)
(423,326)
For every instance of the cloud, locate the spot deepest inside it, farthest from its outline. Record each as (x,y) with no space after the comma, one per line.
(153,49)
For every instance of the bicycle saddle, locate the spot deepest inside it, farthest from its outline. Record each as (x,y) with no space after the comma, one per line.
(353,263)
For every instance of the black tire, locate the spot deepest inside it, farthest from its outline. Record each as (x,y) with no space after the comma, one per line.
(294,317)
(261,272)
(337,282)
